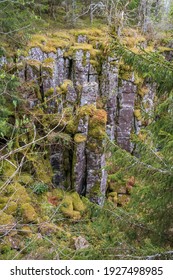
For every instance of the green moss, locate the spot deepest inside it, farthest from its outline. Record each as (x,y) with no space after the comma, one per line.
(34,64)
(86,110)
(113,197)
(65,85)
(78,205)
(142,91)
(17,193)
(49,120)
(137,114)
(94,36)
(79,138)
(11,207)
(72,206)
(6,222)
(26,231)
(97,133)
(113,194)
(55,137)
(25,178)
(42,167)
(49,92)
(97,124)
(48,61)
(95,191)
(67,208)
(8,169)
(72,126)
(88,32)
(94,63)
(123,199)
(93,144)
(84,47)
(138,80)
(48,228)
(164,49)
(50,42)
(132,37)
(3,200)
(28,213)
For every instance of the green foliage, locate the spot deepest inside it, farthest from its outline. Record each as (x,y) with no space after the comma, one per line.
(40,188)
(8,102)
(147,65)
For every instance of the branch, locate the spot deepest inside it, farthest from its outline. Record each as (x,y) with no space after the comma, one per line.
(31,143)
(12,31)
(152,257)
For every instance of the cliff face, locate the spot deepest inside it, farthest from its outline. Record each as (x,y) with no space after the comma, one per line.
(89,96)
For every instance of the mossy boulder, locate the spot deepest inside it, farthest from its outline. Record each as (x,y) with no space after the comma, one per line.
(26,231)
(48,228)
(18,193)
(8,169)
(50,42)
(72,206)
(67,208)
(7,222)
(28,213)
(25,179)
(78,204)
(11,207)
(123,199)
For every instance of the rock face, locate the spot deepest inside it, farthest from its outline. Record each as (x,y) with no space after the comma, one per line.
(126,99)
(84,90)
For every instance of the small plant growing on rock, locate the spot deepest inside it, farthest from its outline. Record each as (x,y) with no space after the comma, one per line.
(40,188)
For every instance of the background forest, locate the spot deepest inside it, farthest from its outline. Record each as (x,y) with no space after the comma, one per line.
(133,217)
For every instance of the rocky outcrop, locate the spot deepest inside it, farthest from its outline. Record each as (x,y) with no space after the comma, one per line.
(87,91)
(126,100)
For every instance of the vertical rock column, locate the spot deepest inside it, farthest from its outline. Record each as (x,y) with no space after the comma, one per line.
(88,160)
(96,175)
(109,91)
(125,110)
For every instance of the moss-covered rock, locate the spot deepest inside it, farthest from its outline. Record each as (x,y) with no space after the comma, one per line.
(123,199)
(26,231)
(72,206)
(78,204)
(48,228)
(11,207)
(97,124)
(79,138)
(7,222)
(50,42)
(25,179)
(17,193)
(28,213)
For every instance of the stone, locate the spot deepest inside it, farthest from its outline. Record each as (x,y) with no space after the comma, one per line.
(123,199)
(89,93)
(81,71)
(81,243)
(94,100)
(79,172)
(3,61)
(37,54)
(126,100)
